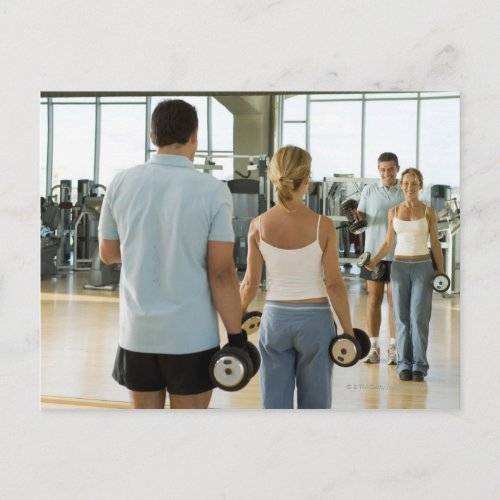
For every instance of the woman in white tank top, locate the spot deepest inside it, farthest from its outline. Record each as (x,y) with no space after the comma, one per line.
(411,225)
(297,246)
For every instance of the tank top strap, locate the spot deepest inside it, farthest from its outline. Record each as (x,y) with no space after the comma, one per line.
(317,229)
(425,214)
(260,229)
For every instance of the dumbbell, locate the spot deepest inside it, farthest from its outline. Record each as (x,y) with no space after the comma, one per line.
(379,270)
(354,223)
(250,322)
(346,350)
(441,283)
(231,368)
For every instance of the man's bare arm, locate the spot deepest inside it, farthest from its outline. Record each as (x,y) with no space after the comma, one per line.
(223,282)
(109,251)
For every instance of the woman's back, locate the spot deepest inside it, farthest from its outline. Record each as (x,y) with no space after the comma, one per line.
(289,244)
(291,231)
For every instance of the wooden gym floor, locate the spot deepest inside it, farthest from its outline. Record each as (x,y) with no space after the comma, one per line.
(79,333)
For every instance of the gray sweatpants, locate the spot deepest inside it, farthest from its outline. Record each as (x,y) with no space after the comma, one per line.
(412,298)
(294,342)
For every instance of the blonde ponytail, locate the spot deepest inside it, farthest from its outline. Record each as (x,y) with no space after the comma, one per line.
(290,166)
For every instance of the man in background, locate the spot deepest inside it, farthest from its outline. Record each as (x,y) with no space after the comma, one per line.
(374,204)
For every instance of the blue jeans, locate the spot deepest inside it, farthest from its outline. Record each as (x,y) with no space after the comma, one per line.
(412,298)
(294,341)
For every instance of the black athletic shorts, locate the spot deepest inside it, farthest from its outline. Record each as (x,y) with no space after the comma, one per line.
(180,374)
(386,277)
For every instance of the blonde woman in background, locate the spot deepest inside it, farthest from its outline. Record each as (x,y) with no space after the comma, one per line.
(411,225)
(297,325)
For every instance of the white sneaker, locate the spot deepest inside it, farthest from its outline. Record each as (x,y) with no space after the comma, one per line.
(373,355)
(391,355)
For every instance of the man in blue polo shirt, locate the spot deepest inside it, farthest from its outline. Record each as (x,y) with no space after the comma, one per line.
(374,205)
(170,226)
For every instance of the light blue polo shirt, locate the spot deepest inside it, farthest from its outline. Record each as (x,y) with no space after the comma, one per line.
(375,202)
(164,212)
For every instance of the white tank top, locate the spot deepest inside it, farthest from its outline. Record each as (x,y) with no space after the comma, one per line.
(412,236)
(293,274)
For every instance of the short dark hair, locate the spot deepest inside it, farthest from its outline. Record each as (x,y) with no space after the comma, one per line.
(173,121)
(388,157)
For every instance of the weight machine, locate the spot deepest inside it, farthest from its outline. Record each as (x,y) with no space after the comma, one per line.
(250,198)
(448,222)
(64,221)
(86,242)
(75,233)
(49,241)
(55,231)
(333,192)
